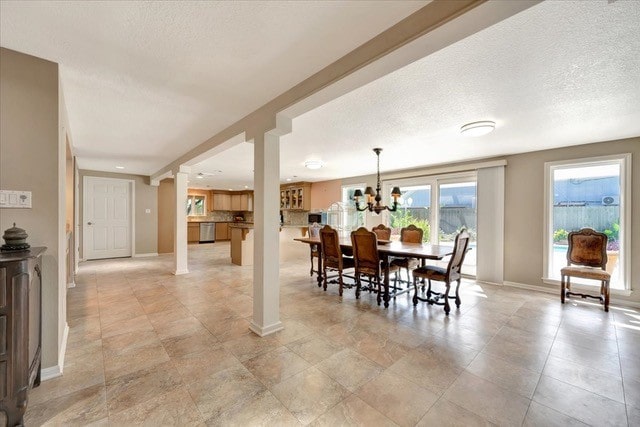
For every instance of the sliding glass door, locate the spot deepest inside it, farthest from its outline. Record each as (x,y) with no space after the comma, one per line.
(440,205)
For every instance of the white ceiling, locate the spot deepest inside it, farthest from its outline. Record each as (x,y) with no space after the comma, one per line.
(146,82)
(557,74)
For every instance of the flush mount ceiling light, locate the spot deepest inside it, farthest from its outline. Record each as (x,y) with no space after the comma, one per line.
(478,128)
(313,164)
(200,176)
(119,167)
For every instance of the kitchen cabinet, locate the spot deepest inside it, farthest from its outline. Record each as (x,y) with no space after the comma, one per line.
(222,231)
(193,232)
(236,202)
(296,196)
(221,201)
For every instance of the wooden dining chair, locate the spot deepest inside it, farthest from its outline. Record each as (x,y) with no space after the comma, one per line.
(332,257)
(448,275)
(410,234)
(586,259)
(382,231)
(367,259)
(314,249)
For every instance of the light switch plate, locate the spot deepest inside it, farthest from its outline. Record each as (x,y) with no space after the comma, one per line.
(15,199)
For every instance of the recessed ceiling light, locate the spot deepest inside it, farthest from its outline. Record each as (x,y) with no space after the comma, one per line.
(231,189)
(478,128)
(246,186)
(119,167)
(288,179)
(313,164)
(200,176)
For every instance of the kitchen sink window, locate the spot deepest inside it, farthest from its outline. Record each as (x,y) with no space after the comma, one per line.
(195,205)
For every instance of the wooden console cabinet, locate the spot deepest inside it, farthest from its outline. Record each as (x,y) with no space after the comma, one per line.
(20,330)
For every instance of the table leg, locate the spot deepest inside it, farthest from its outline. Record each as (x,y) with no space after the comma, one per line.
(385,260)
(319,266)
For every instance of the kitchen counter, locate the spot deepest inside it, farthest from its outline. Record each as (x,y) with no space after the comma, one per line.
(241,249)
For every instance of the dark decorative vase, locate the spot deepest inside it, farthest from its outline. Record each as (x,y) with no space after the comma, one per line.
(16,240)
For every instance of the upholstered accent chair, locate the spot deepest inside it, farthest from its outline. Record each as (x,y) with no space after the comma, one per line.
(382,231)
(410,234)
(332,257)
(586,259)
(448,275)
(367,259)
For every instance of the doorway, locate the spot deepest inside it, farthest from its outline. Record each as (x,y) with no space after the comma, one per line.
(107,217)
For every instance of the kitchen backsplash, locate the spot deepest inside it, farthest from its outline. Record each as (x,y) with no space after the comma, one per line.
(295,217)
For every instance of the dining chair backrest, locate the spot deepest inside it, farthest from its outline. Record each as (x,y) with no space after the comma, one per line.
(383,232)
(365,251)
(587,247)
(314,230)
(460,247)
(411,234)
(330,243)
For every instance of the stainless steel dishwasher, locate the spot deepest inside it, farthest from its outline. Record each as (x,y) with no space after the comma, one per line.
(207,232)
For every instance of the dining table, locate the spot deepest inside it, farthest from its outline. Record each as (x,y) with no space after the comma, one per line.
(386,250)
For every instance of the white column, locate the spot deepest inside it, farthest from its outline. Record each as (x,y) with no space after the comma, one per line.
(180,226)
(266,221)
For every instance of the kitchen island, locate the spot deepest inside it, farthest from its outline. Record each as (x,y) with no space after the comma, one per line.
(242,243)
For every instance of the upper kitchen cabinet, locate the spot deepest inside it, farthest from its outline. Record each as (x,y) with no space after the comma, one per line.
(296,196)
(233,201)
(221,201)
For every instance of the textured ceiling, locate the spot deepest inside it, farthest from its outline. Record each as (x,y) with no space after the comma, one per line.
(557,74)
(147,81)
(144,82)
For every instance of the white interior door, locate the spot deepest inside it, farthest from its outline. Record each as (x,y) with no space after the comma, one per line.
(107,217)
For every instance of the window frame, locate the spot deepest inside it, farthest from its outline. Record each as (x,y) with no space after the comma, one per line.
(192,198)
(624,161)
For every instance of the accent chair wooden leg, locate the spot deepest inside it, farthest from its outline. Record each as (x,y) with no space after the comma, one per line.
(562,280)
(340,282)
(415,291)
(324,285)
(606,296)
(357,286)
(458,302)
(379,297)
(447,309)
(429,288)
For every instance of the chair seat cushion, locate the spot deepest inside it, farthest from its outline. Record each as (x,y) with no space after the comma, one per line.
(405,262)
(434,273)
(586,273)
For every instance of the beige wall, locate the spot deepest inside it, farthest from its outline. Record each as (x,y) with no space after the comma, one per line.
(324,193)
(146,197)
(166,216)
(30,153)
(524,209)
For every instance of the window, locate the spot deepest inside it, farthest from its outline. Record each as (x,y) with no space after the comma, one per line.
(440,205)
(590,193)
(352,219)
(196,205)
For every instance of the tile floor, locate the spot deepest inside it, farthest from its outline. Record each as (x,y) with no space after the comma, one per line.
(147,347)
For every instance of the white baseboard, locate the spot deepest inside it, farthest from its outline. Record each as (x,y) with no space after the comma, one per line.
(267,330)
(556,290)
(149,254)
(50,373)
(180,272)
(56,371)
